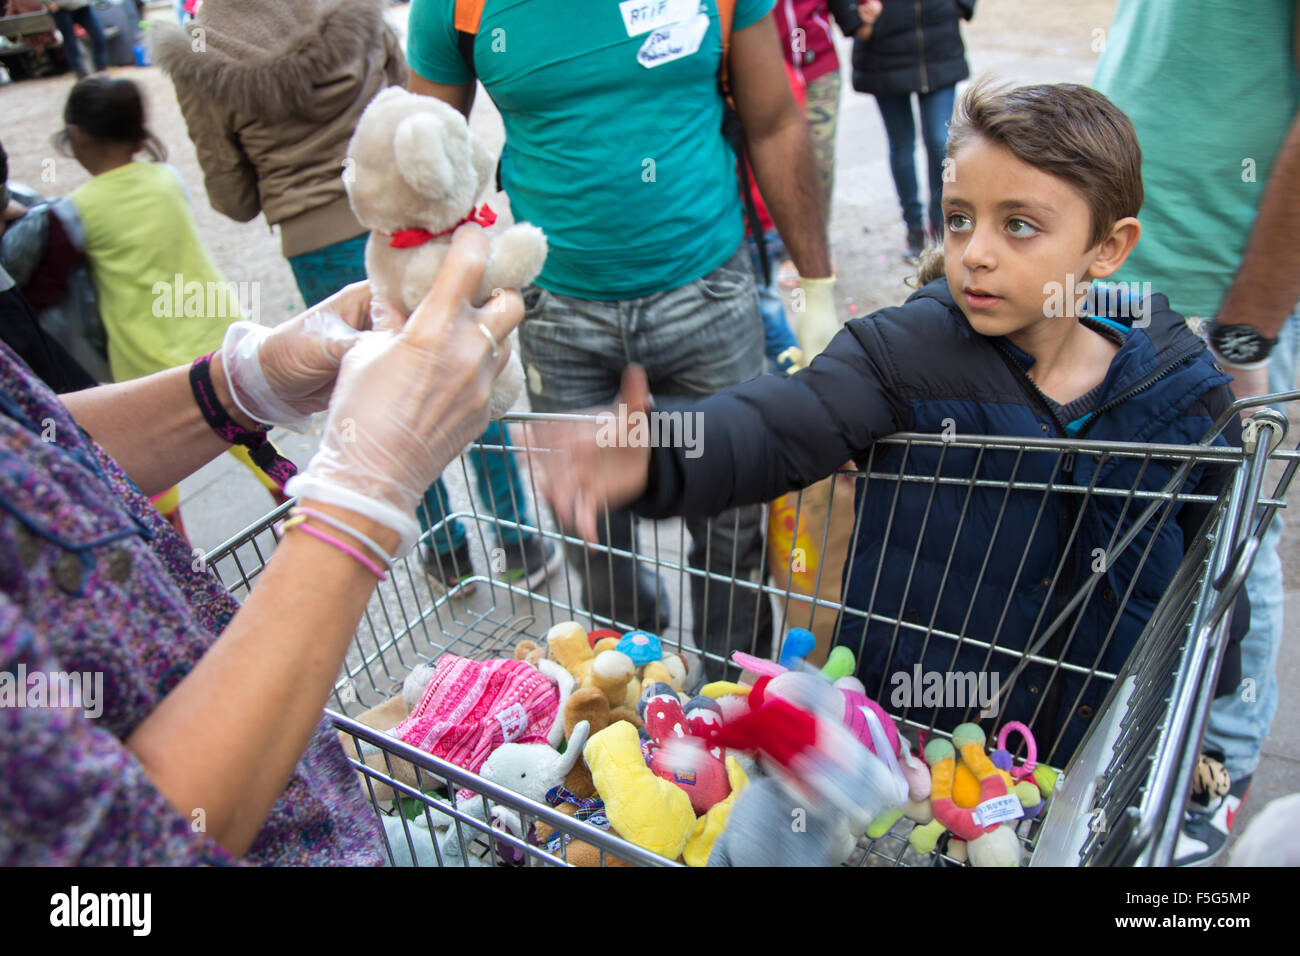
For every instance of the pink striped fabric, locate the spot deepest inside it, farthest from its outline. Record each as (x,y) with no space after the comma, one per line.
(472,707)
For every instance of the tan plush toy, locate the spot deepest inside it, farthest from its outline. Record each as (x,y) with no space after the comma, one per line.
(414,172)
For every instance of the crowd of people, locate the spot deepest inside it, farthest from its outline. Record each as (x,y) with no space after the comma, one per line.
(679,296)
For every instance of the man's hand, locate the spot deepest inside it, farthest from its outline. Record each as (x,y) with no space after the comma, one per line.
(870,13)
(581,467)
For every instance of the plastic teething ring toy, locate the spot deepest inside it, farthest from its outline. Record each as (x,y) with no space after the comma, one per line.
(1031,761)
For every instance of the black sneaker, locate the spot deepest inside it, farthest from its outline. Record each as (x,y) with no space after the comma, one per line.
(532,561)
(1211,811)
(447,572)
(916,242)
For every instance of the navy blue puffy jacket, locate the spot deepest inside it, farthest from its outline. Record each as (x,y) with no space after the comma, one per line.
(921,367)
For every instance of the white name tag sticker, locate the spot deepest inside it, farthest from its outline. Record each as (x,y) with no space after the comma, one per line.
(673,42)
(642,16)
(998,810)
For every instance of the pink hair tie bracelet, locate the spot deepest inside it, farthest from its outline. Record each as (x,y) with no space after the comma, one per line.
(346,528)
(297,521)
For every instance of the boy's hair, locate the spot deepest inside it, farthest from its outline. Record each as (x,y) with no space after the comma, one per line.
(1068,130)
(110,110)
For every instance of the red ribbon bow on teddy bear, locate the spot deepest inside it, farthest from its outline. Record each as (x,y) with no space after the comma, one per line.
(409,238)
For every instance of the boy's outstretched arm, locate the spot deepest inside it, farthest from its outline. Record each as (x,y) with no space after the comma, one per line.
(745,445)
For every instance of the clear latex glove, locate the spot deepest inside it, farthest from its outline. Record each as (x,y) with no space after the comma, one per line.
(284,375)
(408,401)
(1246,382)
(815,320)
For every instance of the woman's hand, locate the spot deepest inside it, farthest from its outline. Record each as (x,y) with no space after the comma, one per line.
(411,396)
(869,12)
(284,375)
(583,466)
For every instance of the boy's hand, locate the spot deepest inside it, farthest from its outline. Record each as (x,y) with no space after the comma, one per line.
(870,13)
(582,467)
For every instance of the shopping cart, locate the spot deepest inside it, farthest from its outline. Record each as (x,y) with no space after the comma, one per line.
(1121,798)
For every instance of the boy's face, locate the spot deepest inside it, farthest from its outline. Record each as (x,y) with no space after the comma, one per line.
(1013,236)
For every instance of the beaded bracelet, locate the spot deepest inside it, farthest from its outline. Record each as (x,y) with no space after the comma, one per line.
(297,522)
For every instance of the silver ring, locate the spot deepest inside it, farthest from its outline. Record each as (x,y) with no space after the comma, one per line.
(496,346)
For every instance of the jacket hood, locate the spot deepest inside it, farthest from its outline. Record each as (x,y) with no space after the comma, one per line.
(268,59)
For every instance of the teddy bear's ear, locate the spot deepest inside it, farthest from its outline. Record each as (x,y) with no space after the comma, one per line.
(419,155)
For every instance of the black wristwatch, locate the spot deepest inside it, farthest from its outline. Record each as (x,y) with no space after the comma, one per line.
(1240,345)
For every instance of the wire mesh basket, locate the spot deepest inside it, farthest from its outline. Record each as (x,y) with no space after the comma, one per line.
(1121,796)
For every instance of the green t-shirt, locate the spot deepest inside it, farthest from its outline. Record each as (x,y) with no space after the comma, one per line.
(1211,88)
(162,298)
(613,125)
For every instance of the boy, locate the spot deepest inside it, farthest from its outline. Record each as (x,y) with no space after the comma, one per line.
(1044,199)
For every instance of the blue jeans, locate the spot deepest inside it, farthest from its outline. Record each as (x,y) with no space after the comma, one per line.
(936,113)
(1239,724)
(778,337)
(693,341)
(322,272)
(71,49)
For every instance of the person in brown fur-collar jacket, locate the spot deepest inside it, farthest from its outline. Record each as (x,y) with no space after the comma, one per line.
(271,93)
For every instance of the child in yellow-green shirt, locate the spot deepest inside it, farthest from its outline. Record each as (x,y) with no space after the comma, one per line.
(163,300)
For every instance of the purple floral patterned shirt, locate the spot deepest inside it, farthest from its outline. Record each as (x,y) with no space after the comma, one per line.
(98,593)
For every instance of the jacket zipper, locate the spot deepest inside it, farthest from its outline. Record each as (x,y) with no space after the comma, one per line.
(1048,722)
(920,45)
(1033,386)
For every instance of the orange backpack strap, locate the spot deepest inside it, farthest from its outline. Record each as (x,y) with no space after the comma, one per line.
(470,12)
(726,12)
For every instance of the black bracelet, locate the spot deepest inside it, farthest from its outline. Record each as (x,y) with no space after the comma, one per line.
(265,455)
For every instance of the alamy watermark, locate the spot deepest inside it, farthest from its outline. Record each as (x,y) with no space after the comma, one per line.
(179,299)
(655,429)
(130,910)
(959,689)
(1115,300)
(83,690)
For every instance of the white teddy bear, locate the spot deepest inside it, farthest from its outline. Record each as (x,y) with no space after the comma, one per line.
(413,173)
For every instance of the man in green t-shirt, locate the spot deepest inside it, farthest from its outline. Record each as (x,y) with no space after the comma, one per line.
(1212,90)
(614,146)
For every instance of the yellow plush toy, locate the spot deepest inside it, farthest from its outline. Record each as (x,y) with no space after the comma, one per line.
(642,808)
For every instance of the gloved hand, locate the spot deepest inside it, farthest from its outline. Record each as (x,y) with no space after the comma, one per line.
(408,401)
(816,323)
(284,375)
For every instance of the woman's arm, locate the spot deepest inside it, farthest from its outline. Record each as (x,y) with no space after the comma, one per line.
(152,426)
(227,738)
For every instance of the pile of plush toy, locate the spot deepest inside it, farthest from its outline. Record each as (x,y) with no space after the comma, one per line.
(790,769)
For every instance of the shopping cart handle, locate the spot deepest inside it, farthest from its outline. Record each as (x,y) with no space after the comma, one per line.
(1238,565)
